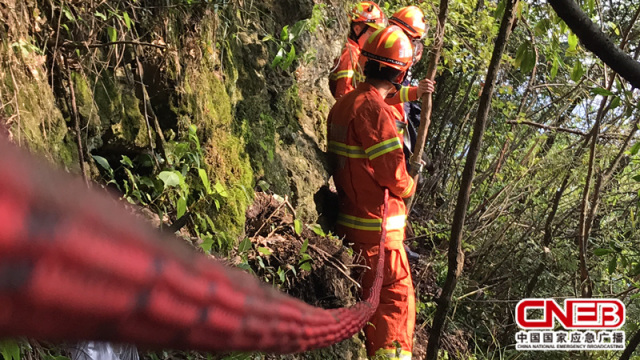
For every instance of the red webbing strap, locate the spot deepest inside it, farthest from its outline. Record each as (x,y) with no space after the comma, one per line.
(75,266)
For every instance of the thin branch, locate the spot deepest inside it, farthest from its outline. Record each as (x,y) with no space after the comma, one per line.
(79,45)
(76,117)
(571,131)
(547,127)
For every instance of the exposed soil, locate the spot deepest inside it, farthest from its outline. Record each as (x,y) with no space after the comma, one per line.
(271,227)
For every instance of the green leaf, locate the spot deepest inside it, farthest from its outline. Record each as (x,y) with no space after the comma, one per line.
(554,68)
(297,29)
(278,59)
(297,225)
(284,34)
(221,190)
(305,245)
(520,54)
(573,42)
(613,264)
(244,246)
(542,27)
(126,161)
(318,230)
(614,26)
(102,162)
(577,72)
(636,178)
(10,349)
(615,102)
(263,185)
(205,180)
(265,251)
(127,20)
(181,207)
(281,274)
(603,252)
(291,56)
(601,91)
(529,61)
(207,244)
(101,15)
(67,13)
(169,178)
(113,34)
(305,262)
(502,4)
(635,148)
(591,6)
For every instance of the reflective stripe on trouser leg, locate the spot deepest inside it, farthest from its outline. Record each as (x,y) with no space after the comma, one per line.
(395,354)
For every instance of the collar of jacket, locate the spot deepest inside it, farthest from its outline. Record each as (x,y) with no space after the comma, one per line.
(366,87)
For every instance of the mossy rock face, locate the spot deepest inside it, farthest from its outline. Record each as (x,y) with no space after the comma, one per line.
(30,112)
(110,111)
(206,104)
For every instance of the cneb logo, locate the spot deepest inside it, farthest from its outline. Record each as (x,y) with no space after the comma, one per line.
(577,314)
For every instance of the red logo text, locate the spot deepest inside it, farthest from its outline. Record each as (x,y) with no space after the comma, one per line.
(577,314)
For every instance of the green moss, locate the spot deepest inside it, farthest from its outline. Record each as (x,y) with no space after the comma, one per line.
(119,112)
(206,104)
(36,121)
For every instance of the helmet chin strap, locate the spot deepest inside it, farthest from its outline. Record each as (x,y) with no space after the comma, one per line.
(356,37)
(398,84)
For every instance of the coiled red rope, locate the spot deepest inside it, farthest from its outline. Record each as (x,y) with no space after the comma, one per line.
(76,266)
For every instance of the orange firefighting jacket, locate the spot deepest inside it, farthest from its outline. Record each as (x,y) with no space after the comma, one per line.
(367,157)
(346,73)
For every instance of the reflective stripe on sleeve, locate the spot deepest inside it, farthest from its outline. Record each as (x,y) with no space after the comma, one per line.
(350,151)
(408,191)
(342,74)
(358,223)
(404,94)
(384,147)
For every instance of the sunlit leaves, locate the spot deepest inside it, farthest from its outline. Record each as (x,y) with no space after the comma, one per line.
(572,40)
(525,57)
(554,68)
(577,72)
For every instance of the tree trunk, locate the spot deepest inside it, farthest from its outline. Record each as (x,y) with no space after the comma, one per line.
(633,344)
(596,41)
(456,256)
(427,100)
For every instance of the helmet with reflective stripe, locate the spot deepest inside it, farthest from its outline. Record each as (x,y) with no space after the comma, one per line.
(370,13)
(411,20)
(390,47)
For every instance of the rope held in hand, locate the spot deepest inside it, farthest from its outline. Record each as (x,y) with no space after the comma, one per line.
(75,266)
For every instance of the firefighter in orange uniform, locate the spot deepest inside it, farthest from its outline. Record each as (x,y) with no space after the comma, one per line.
(367,158)
(366,18)
(411,20)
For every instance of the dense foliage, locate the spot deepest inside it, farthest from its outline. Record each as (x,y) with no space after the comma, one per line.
(554,205)
(544,182)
